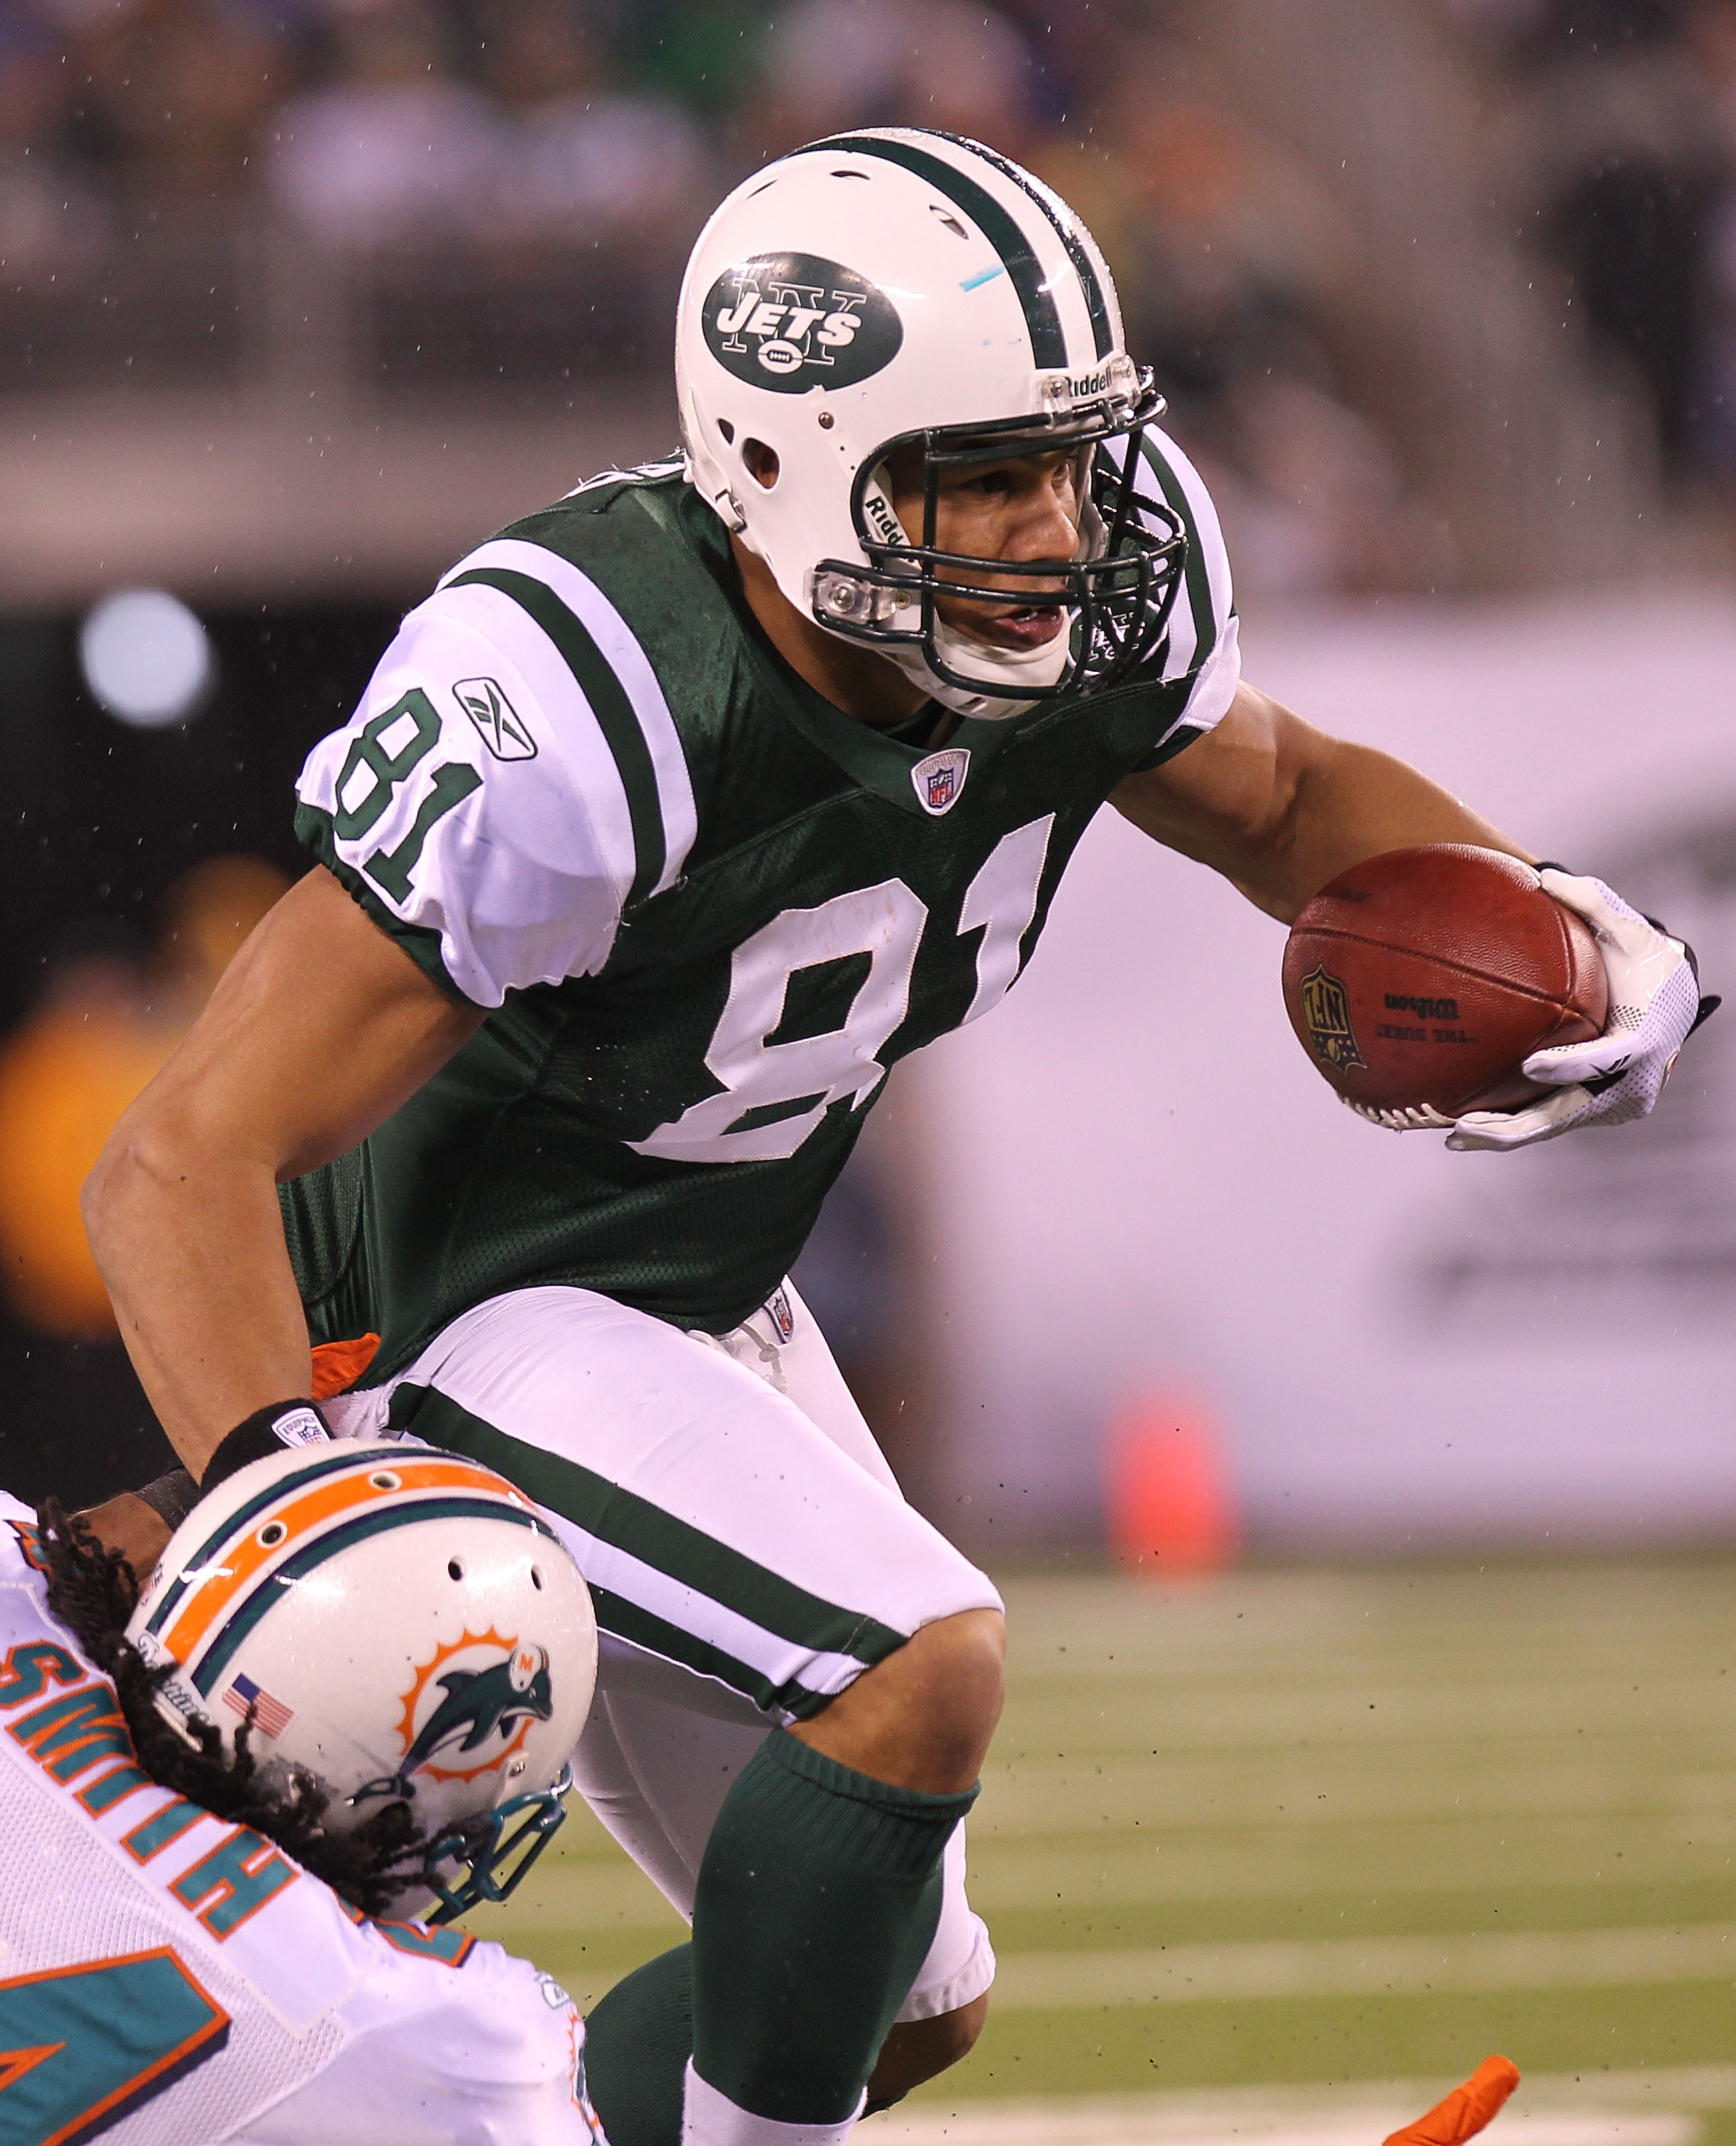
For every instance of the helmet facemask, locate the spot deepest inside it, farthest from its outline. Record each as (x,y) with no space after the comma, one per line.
(1118,588)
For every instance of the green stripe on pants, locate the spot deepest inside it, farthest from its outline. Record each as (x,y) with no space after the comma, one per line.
(685,1554)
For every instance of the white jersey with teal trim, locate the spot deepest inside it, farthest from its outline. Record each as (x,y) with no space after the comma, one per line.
(168,1979)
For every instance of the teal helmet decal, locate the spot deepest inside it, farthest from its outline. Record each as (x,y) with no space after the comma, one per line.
(485,1712)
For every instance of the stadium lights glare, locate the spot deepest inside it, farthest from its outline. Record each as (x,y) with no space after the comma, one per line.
(146,658)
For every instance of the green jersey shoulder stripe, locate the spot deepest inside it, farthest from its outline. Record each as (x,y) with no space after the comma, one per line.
(1042,319)
(608,704)
(616,678)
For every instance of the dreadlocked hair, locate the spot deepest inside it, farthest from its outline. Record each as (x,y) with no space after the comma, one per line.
(93,1590)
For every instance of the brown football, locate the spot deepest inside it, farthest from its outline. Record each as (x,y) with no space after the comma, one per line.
(1427,975)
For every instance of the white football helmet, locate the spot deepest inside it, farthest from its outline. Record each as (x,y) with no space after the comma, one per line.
(901,285)
(399,1621)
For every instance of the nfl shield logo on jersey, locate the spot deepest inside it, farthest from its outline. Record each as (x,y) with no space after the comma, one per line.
(939,778)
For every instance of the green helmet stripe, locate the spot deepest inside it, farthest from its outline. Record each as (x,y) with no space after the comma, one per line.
(1048,343)
(1078,252)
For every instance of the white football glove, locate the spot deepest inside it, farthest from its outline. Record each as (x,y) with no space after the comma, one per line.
(1654,1005)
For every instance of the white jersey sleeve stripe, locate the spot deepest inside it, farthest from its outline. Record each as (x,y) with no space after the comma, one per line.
(571,725)
(522,880)
(1203,644)
(620,651)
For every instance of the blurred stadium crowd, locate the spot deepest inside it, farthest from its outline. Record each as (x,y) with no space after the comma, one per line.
(500,192)
(1616,135)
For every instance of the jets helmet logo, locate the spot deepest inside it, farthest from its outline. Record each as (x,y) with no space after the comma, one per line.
(1326,1014)
(469,1711)
(791,321)
(504,731)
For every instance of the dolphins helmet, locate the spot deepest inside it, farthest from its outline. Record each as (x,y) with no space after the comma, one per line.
(400,1622)
(897,287)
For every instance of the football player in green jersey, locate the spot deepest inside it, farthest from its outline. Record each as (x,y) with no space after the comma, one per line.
(673,817)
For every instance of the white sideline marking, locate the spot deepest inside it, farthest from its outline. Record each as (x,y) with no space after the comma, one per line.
(1365,1967)
(1611,2109)
(994,2124)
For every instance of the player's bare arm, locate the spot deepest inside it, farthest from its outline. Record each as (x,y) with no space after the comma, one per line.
(1280,808)
(1276,805)
(319,1029)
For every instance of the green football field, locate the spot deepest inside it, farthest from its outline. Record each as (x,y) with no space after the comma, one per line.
(1262,1845)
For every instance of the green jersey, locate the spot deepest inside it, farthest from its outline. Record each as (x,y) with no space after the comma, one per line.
(705,910)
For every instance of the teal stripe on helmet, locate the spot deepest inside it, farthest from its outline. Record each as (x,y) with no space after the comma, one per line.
(331,1460)
(400,1514)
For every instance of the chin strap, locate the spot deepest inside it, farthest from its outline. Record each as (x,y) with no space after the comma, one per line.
(1003,671)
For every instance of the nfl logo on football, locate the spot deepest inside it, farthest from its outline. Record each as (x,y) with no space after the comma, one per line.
(939,778)
(1326,1010)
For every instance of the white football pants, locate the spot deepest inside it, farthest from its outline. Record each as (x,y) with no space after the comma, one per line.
(748,1550)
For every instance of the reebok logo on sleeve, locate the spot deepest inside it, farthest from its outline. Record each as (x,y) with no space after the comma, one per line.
(504,731)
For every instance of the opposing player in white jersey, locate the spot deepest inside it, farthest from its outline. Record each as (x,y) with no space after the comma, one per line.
(172,1969)
(672,818)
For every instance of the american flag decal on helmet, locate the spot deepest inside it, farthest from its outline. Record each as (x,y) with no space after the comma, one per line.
(245,1697)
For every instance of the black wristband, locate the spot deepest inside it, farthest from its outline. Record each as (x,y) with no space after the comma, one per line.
(171,1497)
(267,1431)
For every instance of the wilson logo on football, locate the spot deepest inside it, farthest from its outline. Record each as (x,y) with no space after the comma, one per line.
(471,1717)
(791,321)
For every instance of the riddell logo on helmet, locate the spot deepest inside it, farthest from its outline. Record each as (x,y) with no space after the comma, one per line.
(791,321)
(887,526)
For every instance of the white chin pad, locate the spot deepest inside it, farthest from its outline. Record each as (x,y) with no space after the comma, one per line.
(1004,671)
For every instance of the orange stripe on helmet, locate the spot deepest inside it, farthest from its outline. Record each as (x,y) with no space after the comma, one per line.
(238,1563)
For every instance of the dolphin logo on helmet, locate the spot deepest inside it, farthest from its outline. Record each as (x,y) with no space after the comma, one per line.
(334,1577)
(478,1704)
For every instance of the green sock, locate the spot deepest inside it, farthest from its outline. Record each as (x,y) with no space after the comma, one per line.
(817,1901)
(637,2041)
